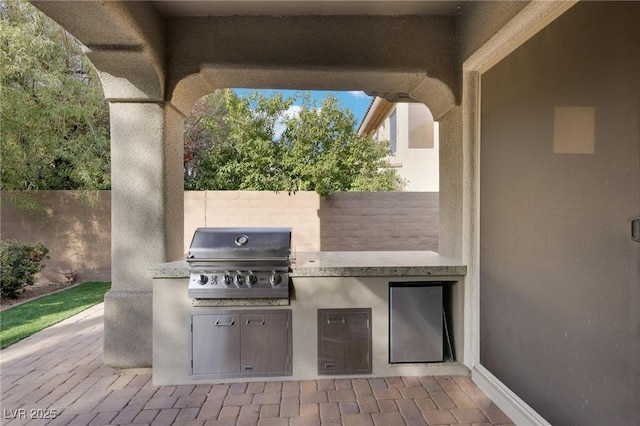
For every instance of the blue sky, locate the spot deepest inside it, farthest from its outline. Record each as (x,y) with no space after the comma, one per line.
(357,102)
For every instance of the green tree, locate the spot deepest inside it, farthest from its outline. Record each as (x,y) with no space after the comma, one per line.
(241,152)
(318,150)
(327,154)
(205,127)
(54,121)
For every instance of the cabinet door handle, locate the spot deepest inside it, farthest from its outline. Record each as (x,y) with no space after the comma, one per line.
(255,322)
(635,229)
(336,319)
(219,324)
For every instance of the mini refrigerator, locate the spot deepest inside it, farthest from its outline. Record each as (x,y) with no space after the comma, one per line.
(416,322)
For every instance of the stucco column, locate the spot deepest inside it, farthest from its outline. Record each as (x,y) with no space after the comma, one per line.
(147,222)
(451,184)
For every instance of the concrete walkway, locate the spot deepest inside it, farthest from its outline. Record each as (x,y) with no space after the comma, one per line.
(57,377)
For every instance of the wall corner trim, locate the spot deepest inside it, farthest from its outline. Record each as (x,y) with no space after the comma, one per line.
(518,411)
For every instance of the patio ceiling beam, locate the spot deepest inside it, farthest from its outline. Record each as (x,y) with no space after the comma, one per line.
(124,41)
(403,54)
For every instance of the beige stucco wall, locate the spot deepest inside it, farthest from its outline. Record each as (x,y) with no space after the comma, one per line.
(78,233)
(75,227)
(557,212)
(417,152)
(419,166)
(416,155)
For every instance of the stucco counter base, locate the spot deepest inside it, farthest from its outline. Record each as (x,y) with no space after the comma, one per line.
(321,280)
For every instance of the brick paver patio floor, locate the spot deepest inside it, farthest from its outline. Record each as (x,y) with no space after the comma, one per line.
(58,373)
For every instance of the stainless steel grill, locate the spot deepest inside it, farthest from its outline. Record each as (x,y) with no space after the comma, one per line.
(239,263)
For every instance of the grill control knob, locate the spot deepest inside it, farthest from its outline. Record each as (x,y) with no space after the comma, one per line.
(251,279)
(275,279)
(226,279)
(203,279)
(239,279)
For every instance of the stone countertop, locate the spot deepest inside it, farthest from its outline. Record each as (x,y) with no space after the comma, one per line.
(349,264)
(175,269)
(374,264)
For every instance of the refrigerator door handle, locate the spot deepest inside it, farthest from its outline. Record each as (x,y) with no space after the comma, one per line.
(635,229)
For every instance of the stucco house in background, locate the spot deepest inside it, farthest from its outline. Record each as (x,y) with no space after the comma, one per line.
(413,140)
(539,163)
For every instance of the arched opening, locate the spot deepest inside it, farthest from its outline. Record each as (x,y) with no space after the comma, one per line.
(249,145)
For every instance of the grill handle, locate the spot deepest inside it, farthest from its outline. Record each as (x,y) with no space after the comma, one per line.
(191,257)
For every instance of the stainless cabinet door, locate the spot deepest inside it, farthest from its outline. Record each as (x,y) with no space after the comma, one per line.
(265,343)
(215,344)
(344,341)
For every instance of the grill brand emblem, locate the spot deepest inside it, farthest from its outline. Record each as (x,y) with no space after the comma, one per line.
(242,240)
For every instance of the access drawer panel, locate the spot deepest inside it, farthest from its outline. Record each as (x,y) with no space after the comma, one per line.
(344,341)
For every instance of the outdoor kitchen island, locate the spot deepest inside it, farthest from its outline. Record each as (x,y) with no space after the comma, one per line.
(327,289)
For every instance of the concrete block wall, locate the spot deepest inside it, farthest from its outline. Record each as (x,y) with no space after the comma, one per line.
(78,233)
(379,221)
(74,226)
(342,221)
(222,209)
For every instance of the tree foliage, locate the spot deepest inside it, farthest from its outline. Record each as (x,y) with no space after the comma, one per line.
(256,143)
(54,127)
(54,119)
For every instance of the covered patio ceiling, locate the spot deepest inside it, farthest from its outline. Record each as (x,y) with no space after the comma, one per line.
(178,51)
(306,7)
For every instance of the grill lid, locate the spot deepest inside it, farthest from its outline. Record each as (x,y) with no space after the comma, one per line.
(240,244)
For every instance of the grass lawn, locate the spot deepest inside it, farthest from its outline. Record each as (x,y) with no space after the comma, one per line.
(23,320)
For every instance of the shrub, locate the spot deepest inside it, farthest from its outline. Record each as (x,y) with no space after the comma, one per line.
(19,262)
